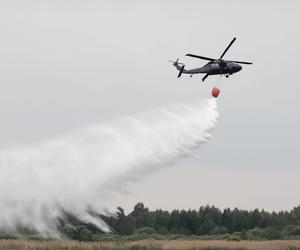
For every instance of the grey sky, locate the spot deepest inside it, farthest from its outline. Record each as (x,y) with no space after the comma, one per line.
(67,64)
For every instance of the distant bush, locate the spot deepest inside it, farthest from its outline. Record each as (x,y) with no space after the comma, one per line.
(293,230)
(255,234)
(219,230)
(145,230)
(236,236)
(162,230)
(271,233)
(106,237)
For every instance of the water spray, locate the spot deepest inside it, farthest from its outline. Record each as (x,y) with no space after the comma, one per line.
(78,172)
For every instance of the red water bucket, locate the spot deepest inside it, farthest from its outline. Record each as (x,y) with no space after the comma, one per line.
(215,92)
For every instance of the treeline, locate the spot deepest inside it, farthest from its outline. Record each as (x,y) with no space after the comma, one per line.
(208,220)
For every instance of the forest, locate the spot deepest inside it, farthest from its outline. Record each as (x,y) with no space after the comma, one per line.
(208,222)
(205,223)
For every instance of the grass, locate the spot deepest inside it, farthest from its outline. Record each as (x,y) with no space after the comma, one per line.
(152,245)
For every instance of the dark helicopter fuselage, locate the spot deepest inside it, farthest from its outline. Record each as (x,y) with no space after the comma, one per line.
(213,68)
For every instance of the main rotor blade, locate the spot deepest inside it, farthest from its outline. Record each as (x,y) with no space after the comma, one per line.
(228,47)
(240,62)
(201,57)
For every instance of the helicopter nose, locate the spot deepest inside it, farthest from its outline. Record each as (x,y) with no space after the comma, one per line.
(238,67)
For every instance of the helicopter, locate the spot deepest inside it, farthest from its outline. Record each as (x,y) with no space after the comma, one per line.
(213,67)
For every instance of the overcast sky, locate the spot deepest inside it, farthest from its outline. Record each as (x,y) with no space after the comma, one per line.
(67,64)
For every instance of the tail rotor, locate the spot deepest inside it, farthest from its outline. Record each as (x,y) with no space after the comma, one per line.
(175,63)
(179,66)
